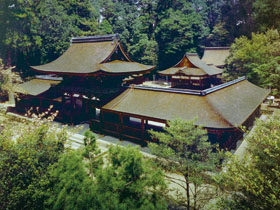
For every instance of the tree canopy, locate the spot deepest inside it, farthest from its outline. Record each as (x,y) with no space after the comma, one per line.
(123,181)
(154,32)
(25,158)
(184,149)
(253,181)
(257,59)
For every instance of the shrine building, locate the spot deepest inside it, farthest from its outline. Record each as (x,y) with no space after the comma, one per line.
(192,73)
(95,81)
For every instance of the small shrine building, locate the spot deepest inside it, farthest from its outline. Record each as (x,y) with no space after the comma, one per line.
(192,73)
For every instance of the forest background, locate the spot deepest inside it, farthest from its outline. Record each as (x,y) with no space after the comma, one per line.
(154,32)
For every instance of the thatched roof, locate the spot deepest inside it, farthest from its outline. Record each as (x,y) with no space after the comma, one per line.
(215,56)
(227,106)
(89,56)
(191,65)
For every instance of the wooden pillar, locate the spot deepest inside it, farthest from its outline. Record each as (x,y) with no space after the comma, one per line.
(72,109)
(120,125)
(142,129)
(63,99)
(94,113)
(200,83)
(101,119)
(87,110)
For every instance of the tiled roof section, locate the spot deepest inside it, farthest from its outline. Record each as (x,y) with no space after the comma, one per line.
(215,56)
(227,107)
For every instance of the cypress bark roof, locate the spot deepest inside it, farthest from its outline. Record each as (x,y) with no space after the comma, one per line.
(215,56)
(35,87)
(226,107)
(191,65)
(88,56)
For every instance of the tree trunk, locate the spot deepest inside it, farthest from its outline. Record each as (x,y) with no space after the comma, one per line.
(194,197)
(188,192)
(11,97)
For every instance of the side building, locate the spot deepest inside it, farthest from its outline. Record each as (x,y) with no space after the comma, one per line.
(221,110)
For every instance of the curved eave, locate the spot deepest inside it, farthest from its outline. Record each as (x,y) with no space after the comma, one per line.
(187,75)
(103,72)
(176,72)
(96,73)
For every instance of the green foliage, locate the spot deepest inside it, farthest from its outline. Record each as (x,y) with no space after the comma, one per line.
(129,182)
(24,161)
(155,32)
(91,152)
(4,81)
(219,36)
(184,149)
(267,14)
(34,32)
(124,181)
(178,31)
(257,59)
(72,188)
(253,182)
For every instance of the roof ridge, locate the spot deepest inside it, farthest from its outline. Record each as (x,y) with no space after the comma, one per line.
(98,38)
(191,54)
(189,91)
(217,48)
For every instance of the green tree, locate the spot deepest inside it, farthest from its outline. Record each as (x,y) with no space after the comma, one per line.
(34,32)
(25,156)
(129,182)
(178,31)
(183,149)
(124,180)
(267,14)
(71,187)
(253,182)
(257,59)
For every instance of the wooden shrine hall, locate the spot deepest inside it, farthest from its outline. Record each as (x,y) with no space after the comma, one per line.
(221,110)
(192,73)
(93,70)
